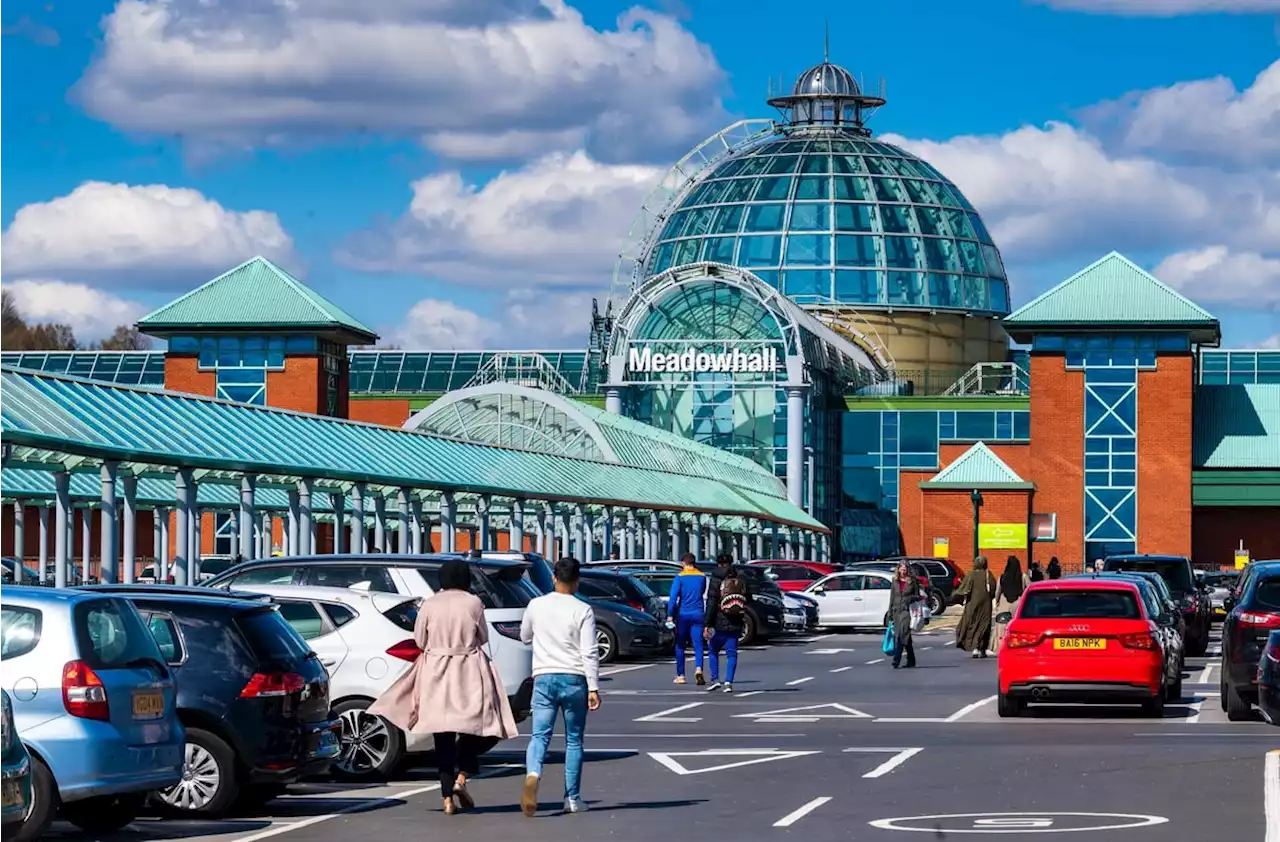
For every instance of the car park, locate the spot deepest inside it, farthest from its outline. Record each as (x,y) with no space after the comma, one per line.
(15,780)
(625,632)
(944,574)
(1164,613)
(257,723)
(794,575)
(853,600)
(1174,620)
(937,601)
(1192,600)
(210,566)
(1220,584)
(624,589)
(801,612)
(501,585)
(1269,679)
(93,702)
(1082,640)
(1251,618)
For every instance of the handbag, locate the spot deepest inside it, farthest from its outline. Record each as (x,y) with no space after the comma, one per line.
(889,643)
(920,616)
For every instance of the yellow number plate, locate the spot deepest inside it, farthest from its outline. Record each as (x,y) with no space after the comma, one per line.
(1079,643)
(12,794)
(148,705)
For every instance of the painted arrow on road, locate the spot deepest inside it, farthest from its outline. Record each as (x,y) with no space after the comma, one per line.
(665,715)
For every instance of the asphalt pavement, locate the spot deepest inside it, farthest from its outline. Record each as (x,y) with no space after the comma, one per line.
(823,741)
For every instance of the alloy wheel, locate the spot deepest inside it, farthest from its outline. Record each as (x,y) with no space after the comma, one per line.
(201,780)
(604,646)
(364,743)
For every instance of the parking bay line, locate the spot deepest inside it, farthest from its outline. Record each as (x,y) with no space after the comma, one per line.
(901,755)
(1205,673)
(841,669)
(876,661)
(1271,795)
(665,715)
(799,681)
(631,668)
(798,814)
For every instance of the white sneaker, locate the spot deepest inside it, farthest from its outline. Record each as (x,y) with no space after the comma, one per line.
(679,680)
(728,688)
(714,685)
(575,805)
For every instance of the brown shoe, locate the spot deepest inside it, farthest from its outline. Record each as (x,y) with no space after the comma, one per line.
(529,797)
(449,807)
(465,801)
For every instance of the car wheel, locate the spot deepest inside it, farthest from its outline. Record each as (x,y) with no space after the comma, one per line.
(1238,710)
(371,748)
(750,628)
(937,604)
(606,644)
(1173,693)
(44,804)
(104,813)
(208,786)
(1008,707)
(1154,707)
(1222,687)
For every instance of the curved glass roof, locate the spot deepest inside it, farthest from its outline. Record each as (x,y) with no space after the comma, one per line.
(828,217)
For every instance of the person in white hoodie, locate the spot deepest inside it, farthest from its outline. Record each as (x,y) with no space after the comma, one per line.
(566,679)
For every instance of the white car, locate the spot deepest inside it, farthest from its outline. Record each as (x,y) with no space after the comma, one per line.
(365,641)
(853,600)
(210,566)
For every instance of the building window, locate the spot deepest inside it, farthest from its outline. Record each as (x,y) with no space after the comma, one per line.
(1044,526)
(225,533)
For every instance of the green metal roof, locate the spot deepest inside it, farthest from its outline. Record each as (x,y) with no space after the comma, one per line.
(256,294)
(1113,291)
(980,468)
(1237,427)
(49,420)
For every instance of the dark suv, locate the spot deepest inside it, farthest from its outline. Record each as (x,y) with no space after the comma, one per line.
(1192,600)
(252,695)
(1252,615)
(936,596)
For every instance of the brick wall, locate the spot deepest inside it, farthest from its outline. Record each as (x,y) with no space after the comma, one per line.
(1056,455)
(182,374)
(949,514)
(1218,531)
(300,386)
(1164,456)
(389,412)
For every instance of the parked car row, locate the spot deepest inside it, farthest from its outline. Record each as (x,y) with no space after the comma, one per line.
(1249,672)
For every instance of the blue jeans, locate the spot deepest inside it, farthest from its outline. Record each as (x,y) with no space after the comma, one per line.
(553,694)
(728,641)
(689,628)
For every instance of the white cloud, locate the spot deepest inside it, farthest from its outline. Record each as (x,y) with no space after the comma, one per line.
(561,220)
(137,236)
(433,324)
(1216,274)
(1271,342)
(1164,8)
(525,318)
(244,73)
(91,313)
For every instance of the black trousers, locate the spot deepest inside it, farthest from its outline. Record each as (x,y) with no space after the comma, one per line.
(907,648)
(456,753)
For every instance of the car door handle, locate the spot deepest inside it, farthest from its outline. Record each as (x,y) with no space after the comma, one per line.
(329,662)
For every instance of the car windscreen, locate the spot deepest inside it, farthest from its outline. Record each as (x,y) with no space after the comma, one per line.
(1062,604)
(1266,594)
(271,637)
(1175,571)
(110,634)
(636,590)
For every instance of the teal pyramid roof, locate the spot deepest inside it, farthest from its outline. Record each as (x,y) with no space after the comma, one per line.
(978,467)
(1113,291)
(257,294)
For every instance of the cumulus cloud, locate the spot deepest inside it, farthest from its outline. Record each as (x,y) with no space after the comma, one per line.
(1164,8)
(140,236)
(561,220)
(1215,274)
(91,313)
(535,75)
(1271,342)
(523,318)
(434,324)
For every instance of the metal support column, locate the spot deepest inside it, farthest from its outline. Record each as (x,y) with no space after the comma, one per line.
(655,535)
(569,544)
(773,541)
(44,544)
(483,504)
(19,541)
(713,536)
(266,535)
(629,546)
(245,517)
(606,533)
(448,522)
(795,445)
(307,523)
(613,400)
(379,523)
(338,505)
(182,549)
(357,518)
(695,537)
(402,515)
(517,526)
(677,536)
(129,542)
(295,516)
(86,542)
(588,536)
(415,526)
(62,503)
(164,558)
(197,542)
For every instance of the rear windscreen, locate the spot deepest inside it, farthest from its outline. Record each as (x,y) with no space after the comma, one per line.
(404,615)
(271,637)
(635,589)
(110,633)
(1079,605)
(1266,595)
(1175,572)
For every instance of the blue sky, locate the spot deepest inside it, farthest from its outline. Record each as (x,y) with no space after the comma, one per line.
(463,172)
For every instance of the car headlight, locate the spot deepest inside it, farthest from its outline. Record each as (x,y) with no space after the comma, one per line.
(7,732)
(636,621)
(767,599)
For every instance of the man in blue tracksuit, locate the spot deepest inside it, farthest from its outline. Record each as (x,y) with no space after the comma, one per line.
(687,608)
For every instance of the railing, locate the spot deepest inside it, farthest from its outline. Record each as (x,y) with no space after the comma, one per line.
(992,379)
(523,369)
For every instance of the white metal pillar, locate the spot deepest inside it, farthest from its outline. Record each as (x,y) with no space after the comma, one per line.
(19,541)
(379,523)
(197,543)
(266,535)
(307,523)
(402,515)
(613,400)
(483,504)
(569,544)
(357,518)
(629,546)
(61,531)
(606,533)
(129,543)
(338,505)
(164,557)
(448,522)
(517,526)
(246,519)
(415,526)
(713,536)
(677,536)
(44,544)
(795,444)
(695,537)
(773,541)
(655,535)
(182,549)
(588,536)
(86,542)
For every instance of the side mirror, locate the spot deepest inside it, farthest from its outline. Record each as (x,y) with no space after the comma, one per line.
(1229,603)
(818,590)
(772,575)
(1004,617)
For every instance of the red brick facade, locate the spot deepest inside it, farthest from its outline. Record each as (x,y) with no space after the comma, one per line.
(1164,456)
(1057,455)
(389,412)
(183,374)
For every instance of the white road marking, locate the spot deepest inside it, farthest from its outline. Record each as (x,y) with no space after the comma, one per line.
(1271,795)
(876,661)
(970,708)
(1205,673)
(910,719)
(796,815)
(748,693)
(925,648)
(819,638)
(841,669)
(1214,651)
(807,713)
(752,757)
(1194,716)
(665,715)
(739,736)
(799,681)
(632,668)
(834,651)
(901,755)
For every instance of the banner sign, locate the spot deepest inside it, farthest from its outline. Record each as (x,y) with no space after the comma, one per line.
(645,361)
(1002,536)
(942,548)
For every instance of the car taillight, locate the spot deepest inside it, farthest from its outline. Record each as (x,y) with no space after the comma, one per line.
(512,630)
(405,650)
(82,692)
(263,684)
(1257,619)
(1022,640)
(956,580)
(1140,640)
(639,606)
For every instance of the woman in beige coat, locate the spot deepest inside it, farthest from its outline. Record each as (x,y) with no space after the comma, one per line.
(452,691)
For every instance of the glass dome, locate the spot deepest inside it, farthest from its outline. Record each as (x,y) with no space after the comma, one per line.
(831,218)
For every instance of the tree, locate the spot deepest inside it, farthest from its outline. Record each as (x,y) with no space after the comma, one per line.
(126,338)
(20,336)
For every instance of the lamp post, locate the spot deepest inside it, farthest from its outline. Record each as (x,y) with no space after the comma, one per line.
(976,497)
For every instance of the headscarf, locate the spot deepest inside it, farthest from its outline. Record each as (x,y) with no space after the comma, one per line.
(1011,579)
(1055,569)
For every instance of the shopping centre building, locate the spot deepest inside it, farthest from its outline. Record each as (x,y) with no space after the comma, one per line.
(827,307)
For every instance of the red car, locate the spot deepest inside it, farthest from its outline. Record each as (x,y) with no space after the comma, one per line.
(1081,641)
(795,575)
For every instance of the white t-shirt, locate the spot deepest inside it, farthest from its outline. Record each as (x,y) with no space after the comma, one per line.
(562,629)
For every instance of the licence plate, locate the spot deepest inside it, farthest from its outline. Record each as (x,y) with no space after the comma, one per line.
(148,705)
(12,794)
(1079,643)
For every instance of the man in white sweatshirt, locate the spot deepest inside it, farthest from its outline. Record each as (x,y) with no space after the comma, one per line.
(566,668)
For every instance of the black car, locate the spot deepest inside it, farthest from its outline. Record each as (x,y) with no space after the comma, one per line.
(1269,679)
(252,695)
(943,573)
(622,588)
(625,632)
(937,599)
(1192,599)
(1251,618)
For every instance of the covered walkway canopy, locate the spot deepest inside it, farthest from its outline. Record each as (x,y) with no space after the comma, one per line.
(63,425)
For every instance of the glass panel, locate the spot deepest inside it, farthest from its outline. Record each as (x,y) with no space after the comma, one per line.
(760,251)
(686,252)
(902,252)
(228,351)
(946,290)
(941,254)
(184,345)
(815,164)
(728,220)
(857,287)
(699,222)
(973,426)
(853,187)
(784,164)
(208,352)
(853,217)
(773,189)
(854,250)
(813,187)
(813,217)
(847,164)
(719,249)
(889,190)
(809,249)
(896,219)
(275,352)
(918,432)
(810,283)
(764,218)
(255,351)
(905,287)
(740,190)
(970,259)
(674,225)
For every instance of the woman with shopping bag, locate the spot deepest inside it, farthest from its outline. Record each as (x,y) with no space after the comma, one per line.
(905,593)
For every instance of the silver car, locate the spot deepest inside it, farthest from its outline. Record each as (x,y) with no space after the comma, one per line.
(1220,584)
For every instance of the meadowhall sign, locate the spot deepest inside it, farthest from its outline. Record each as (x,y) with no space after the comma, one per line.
(645,361)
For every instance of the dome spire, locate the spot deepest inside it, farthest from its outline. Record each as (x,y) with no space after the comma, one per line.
(826,41)
(828,95)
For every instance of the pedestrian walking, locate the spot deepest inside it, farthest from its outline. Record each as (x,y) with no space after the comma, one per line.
(1008,591)
(687,606)
(1055,569)
(452,691)
(1034,573)
(726,613)
(976,592)
(905,593)
(566,681)
(1098,565)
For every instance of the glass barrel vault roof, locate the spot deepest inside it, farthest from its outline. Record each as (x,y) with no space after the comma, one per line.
(834,218)
(428,372)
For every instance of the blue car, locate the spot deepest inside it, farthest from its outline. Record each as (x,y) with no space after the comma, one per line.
(16,780)
(94,703)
